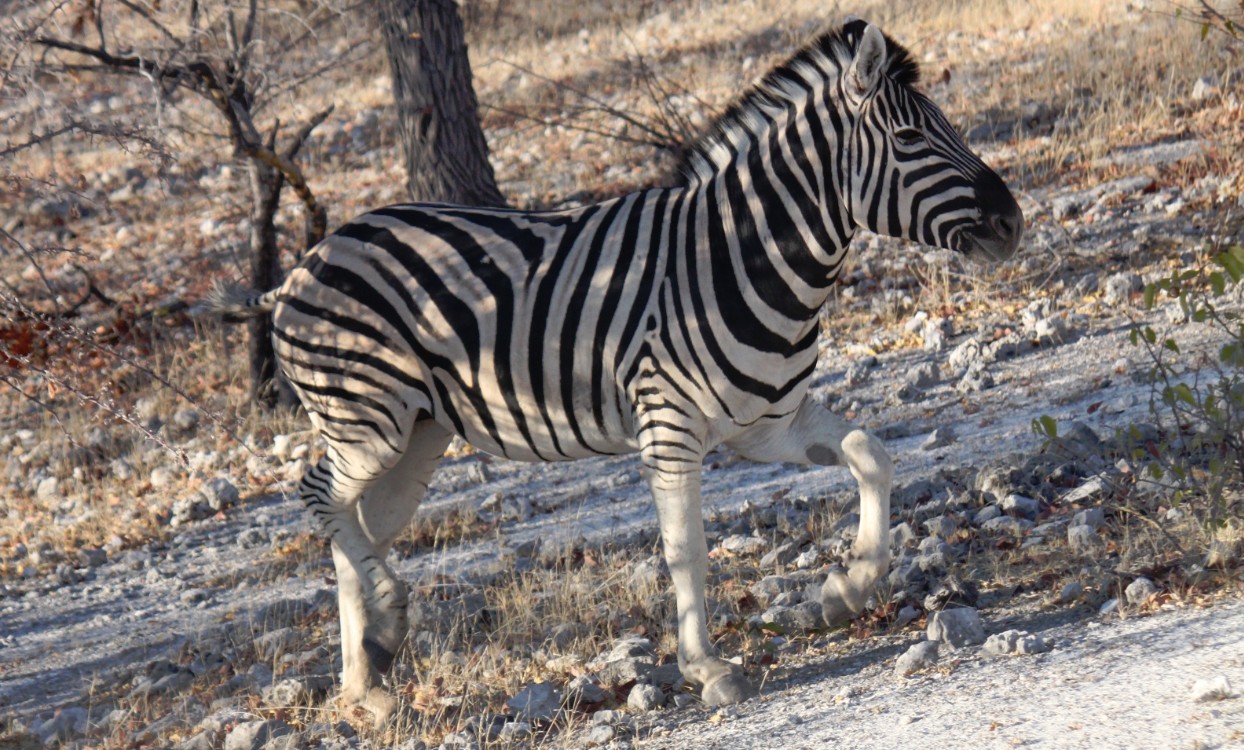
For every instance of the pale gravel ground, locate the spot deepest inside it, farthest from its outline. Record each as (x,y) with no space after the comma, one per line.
(53,645)
(1106,684)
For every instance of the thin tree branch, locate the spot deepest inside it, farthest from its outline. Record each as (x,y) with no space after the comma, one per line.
(38,268)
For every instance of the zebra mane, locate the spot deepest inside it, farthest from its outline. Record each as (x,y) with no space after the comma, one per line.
(786,82)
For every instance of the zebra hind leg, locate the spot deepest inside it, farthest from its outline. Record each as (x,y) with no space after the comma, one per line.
(814,435)
(362,518)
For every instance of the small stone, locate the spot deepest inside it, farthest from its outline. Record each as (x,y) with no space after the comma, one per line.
(622,671)
(668,677)
(281,448)
(273,644)
(859,372)
(121,469)
(920,656)
(66,724)
(1006,525)
(185,420)
(459,741)
(1117,289)
(957,628)
(1082,537)
(922,376)
(252,538)
(1071,592)
(767,588)
(538,701)
(219,493)
(1214,688)
(1094,518)
(905,615)
(92,558)
(600,734)
(743,545)
(1021,506)
(1014,642)
(293,692)
(975,379)
(965,356)
(48,489)
(563,634)
(901,535)
(1204,88)
(779,555)
(942,527)
(645,698)
(802,617)
(808,558)
(633,646)
(939,438)
(584,690)
(1139,591)
(253,735)
(986,514)
(161,476)
(514,731)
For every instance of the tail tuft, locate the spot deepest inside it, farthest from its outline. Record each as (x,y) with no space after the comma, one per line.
(233,302)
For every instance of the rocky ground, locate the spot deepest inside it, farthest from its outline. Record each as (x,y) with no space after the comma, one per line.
(156,589)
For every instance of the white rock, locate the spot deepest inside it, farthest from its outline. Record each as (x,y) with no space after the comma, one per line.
(161,476)
(1204,88)
(253,735)
(1014,642)
(939,438)
(540,701)
(645,698)
(1082,537)
(281,448)
(920,656)
(600,734)
(957,627)
(1214,688)
(740,544)
(513,731)
(1139,591)
(48,489)
(1021,505)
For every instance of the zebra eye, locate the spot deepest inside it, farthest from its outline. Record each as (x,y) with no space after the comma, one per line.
(908,136)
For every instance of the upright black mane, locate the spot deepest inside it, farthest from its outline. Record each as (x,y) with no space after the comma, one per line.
(835,44)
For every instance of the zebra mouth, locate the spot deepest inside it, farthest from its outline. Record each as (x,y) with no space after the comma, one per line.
(992,240)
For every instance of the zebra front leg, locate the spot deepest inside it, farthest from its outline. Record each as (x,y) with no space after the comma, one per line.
(814,435)
(676,490)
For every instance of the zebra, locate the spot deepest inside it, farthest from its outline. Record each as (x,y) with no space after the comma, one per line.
(666,322)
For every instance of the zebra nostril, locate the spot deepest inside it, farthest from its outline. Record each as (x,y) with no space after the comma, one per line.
(1003,225)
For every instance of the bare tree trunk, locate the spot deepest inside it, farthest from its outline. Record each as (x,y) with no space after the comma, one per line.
(446,155)
(266,184)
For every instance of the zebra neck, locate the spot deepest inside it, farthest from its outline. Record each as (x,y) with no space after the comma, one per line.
(782,237)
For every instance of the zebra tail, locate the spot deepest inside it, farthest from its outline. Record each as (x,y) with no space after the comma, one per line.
(235,303)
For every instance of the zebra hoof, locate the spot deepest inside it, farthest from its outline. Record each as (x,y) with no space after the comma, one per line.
(838,604)
(382,706)
(381,658)
(728,689)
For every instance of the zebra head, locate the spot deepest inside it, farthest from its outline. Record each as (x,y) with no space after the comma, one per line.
(908,173)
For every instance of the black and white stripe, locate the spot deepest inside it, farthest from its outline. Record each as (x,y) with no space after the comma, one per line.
(662,322)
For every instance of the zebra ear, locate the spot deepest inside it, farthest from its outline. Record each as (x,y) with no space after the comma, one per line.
(869,61)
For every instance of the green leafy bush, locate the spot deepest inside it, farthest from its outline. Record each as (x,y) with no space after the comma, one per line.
(1199,396)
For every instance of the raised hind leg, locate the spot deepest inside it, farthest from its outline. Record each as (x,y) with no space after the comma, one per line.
(812,434)
(363,503)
